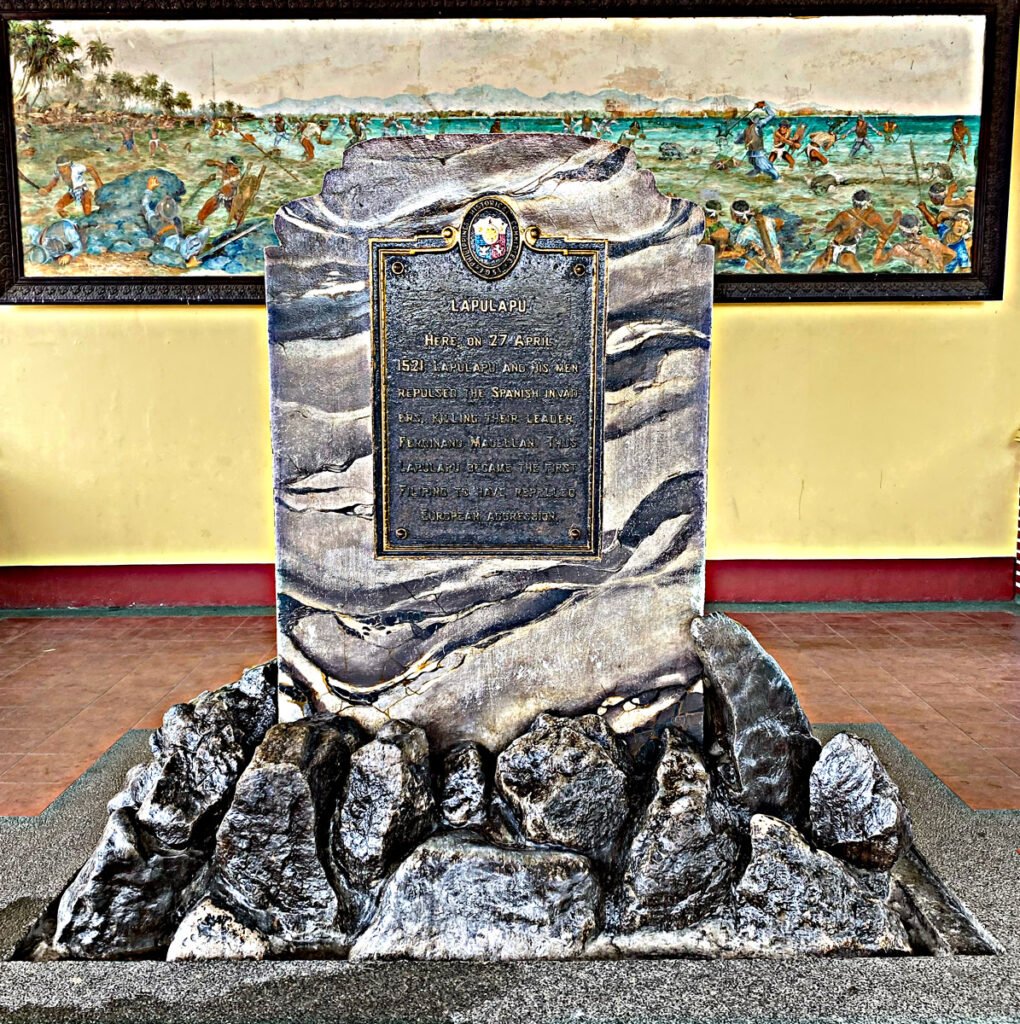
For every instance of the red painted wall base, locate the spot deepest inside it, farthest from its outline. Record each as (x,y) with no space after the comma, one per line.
(861,579)
(121,586)
(759,580)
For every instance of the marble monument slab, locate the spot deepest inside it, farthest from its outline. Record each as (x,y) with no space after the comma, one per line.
(402,593)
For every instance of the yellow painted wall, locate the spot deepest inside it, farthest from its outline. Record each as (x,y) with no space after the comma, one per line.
(141,435)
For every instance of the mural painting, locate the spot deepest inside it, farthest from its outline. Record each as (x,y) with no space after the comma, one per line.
(843,145)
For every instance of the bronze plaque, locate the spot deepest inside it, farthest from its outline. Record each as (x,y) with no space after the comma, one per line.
(488,346)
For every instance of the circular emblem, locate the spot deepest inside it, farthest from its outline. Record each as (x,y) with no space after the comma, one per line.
(490,239)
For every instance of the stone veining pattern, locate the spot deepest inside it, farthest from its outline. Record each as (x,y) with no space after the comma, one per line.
(474,649)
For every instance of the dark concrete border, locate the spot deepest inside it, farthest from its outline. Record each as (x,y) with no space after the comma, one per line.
(975,853)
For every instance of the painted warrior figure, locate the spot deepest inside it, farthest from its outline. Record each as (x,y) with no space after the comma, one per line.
(72,174)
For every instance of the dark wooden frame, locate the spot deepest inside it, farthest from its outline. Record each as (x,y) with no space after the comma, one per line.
(994,152)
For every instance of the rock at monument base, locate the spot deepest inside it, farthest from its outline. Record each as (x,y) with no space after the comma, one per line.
(149,865)
(457,897)
(640,719)
(198,754)
(682,859)
(566,780)
(713,937)
(795,900)
(757,738)
(127,899)
(936,921)
(270,865)
(211,932)
(387,804)
(856,810)
(465,786)
(791,901)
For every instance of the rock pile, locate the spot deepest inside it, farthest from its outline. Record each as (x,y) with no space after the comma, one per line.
(244,254)
(245,839)
(152,861)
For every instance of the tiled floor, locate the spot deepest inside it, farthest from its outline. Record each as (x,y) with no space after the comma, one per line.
(946,684)
(70,687)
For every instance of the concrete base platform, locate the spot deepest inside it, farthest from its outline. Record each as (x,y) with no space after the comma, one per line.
(975,853)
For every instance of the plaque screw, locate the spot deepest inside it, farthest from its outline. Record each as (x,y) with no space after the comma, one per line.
(401,533)
(396,268)
(574,533)
(579,270)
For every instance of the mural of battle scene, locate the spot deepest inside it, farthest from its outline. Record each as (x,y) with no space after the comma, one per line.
(836,144)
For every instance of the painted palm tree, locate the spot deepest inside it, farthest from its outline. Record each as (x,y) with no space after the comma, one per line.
(122,85)
(100,81)
(165,96)
(100,54)
(22,35)
(70,73)
(182,101)
(148,88)
(36,51)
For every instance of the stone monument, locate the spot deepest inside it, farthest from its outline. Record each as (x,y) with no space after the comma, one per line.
(501,726)
(527,531)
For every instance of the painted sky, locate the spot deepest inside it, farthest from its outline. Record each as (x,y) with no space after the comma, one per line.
(904,64)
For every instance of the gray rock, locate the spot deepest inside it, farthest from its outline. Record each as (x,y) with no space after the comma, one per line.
(794,900)
(387,805)
(119,225)
(211,932)
(757,737)
(457,897)
(120,200)
(149,865)
(127,899)
(501,825)
(716,936)
(272,859)
(198,755)
(856,810)
(167,258)
(566,780)
(672,151)
(682,860)
(464,799)
(936,921)
(26,923)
